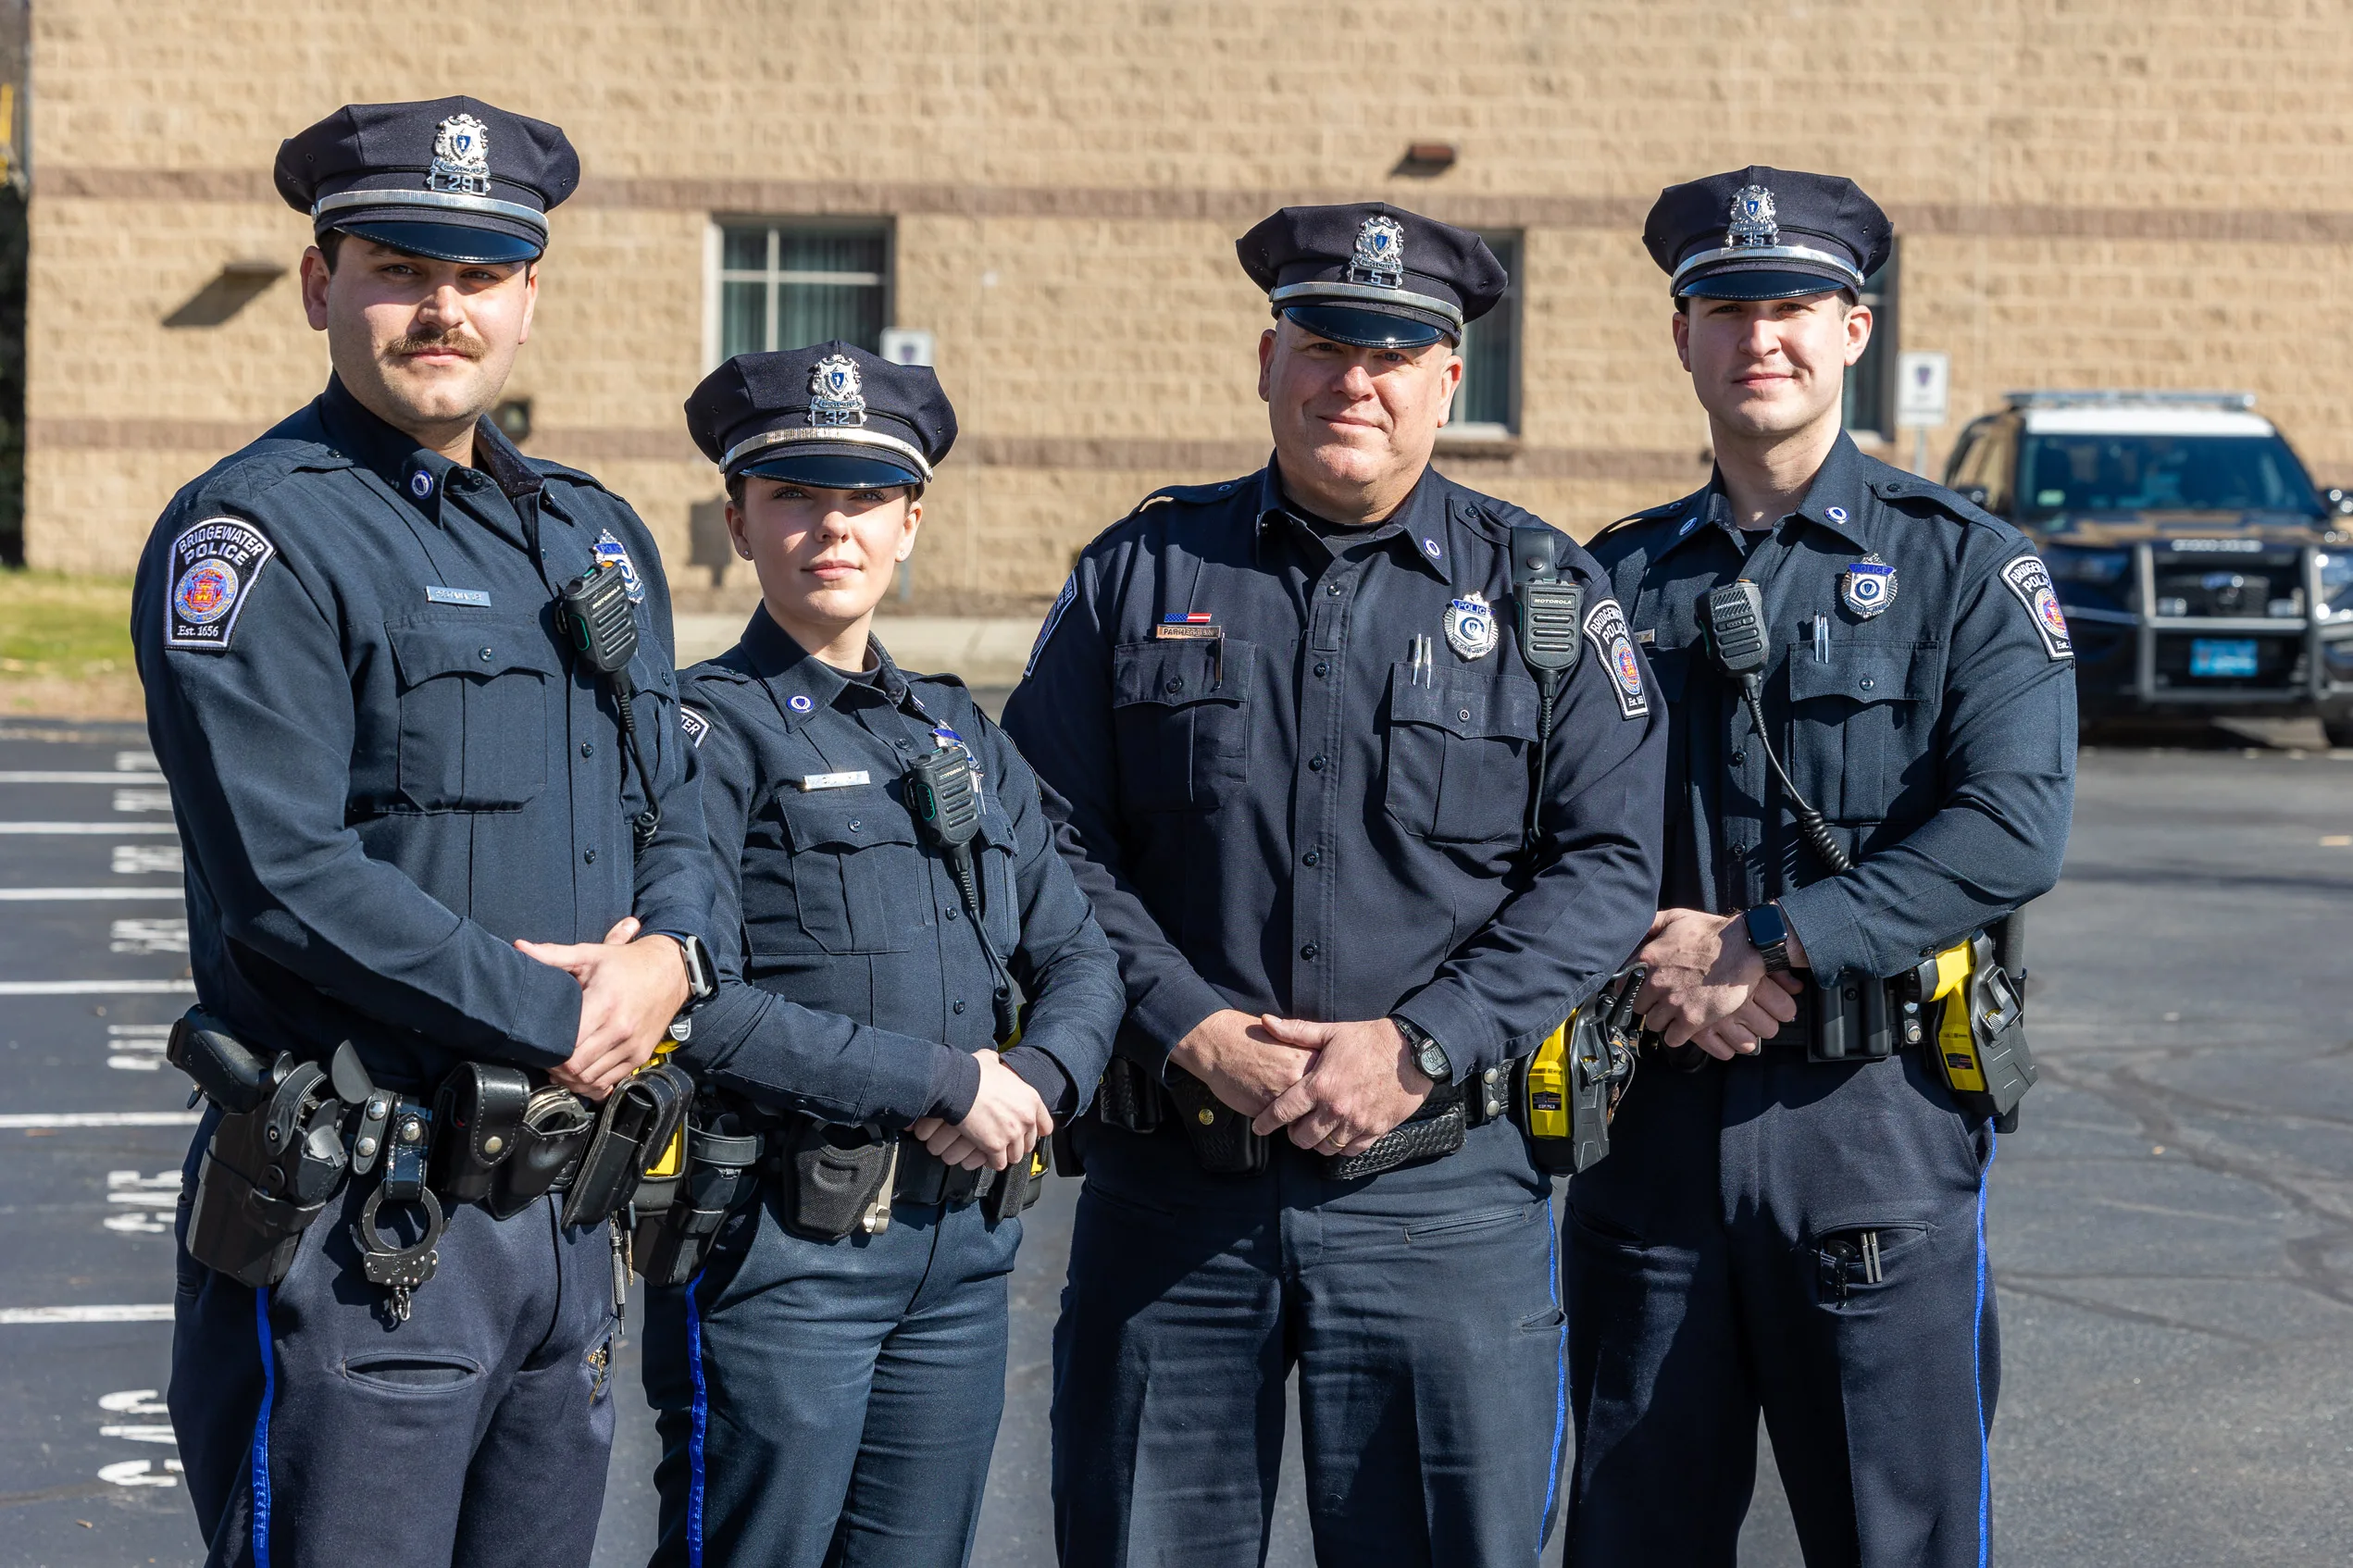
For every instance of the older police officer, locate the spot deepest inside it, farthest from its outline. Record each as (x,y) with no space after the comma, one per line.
(1798,1224)
(413,824)
(1299,754)
(831,1379)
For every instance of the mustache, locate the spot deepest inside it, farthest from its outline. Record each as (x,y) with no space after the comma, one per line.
(457,343)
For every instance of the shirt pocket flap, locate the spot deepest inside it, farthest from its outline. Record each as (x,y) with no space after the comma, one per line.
(827,819)
(1476,712)
(996,827)
(1865,672)
(426,649)
(1181,671)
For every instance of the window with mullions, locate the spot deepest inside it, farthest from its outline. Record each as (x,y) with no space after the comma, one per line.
(787,284)
(1871,381)
(1488,403)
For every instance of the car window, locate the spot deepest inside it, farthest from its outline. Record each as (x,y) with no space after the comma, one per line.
(2059,473)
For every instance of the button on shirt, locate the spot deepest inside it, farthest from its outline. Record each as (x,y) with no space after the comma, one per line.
(1937,735)
(1285,818)
(854,988)
(392,767)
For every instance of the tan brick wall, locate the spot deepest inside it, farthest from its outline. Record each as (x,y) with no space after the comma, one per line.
(2090,193)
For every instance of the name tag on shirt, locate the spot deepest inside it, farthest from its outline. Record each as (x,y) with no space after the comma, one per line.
(836,780)
(477,597)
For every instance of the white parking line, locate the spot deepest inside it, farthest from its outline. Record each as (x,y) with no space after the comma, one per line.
(29,1121)
(148,859)
(137,1047)
(142,1313)
(97,987)
(89,828)
(167,935)
(143,800)
(23,777)
(79,895)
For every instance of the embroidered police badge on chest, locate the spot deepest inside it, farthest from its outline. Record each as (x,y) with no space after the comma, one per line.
(1868,586)
(1470,627)
(214,566)
(609,549)
(1605,628)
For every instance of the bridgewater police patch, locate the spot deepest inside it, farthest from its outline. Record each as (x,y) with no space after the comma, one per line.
(1054,618)
(1605,628)
(2030,580)
(697,727)
(608,548)
(214,566)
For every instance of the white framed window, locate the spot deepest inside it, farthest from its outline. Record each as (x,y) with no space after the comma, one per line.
(787,282)
(1487,407)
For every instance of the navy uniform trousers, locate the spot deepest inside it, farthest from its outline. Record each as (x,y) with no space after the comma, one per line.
(831,1403)
(1705,1282)
(315,1427)
(1421,1308)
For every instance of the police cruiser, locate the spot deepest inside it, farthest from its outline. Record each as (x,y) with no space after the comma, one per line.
(2201,572)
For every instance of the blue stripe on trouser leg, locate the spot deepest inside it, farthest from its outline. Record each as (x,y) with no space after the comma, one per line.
(261,1429)
(701,1424)
(1985,1461)
(1560,1381)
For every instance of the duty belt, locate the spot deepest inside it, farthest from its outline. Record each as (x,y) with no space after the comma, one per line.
(839,1180)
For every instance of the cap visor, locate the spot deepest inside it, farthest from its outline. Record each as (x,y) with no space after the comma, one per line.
(447,241)
(1361,328)
(1778,284)
(834,471)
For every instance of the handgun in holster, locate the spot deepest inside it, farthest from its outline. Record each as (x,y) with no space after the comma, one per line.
(1968,1003)
(1571,1087)
(636,1138)
(276,1156)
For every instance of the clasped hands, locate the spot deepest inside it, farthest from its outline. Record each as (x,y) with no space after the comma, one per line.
(1336,1086)
(1709,987)
(631,987)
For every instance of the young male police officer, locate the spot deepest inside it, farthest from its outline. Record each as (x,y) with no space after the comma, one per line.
(408,808)
(1808,1235)
(1298,752)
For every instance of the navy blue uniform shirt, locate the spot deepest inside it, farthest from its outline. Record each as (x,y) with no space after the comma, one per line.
(1285,820)
(1937,735)
(852,987)
(385,763)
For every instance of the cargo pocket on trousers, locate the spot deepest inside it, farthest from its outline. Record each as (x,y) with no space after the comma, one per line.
(473,713)
(1860,1261)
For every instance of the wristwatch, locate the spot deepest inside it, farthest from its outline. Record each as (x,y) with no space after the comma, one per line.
(701,977)
(1770,934)
(1429,1057)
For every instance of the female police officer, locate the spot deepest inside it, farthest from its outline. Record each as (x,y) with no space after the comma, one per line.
(831,1382)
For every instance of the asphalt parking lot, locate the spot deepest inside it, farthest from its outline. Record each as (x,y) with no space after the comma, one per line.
(2172,1228)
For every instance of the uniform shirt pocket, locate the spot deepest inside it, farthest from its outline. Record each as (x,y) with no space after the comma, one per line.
(1458,757)
(1858,724)
(1180,721)
(853,879)
(474,699)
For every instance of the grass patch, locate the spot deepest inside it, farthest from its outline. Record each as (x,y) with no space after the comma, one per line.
(65,646)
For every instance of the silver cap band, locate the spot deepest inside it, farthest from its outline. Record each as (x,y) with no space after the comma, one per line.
(1340,293)
(849,433)
(439,201)
(1770,253)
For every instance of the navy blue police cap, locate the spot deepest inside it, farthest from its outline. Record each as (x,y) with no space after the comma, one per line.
(832,415)
(452,178)
(1371,275)
(1759,233)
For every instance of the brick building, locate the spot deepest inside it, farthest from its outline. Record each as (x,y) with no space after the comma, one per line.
(2086,191)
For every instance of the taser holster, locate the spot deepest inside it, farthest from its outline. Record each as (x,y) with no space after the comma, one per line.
(640,1119)
(669,1245)
(1569,1089)
(1973,1010)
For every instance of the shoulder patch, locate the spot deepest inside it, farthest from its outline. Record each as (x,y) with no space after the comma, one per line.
(1605,628)
(2030,580)
(1054,618)
(214,566)
(697,725)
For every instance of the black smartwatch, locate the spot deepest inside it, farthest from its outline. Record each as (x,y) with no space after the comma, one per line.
(1429,1057)
(1770,934)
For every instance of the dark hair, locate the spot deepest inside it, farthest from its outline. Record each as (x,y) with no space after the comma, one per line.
(329,244)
